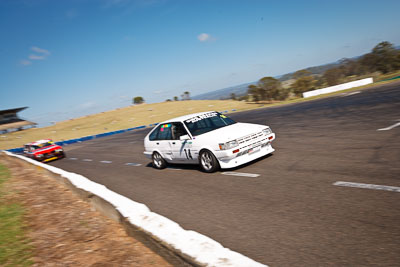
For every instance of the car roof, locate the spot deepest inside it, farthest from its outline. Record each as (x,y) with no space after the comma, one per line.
(39,142)
(186,117)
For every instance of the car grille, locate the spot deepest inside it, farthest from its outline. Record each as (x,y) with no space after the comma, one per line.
(250,137)
(250,142)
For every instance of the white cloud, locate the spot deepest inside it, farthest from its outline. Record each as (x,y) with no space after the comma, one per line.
(40,54)
(25,62)
(86,105)
(40,50)
(204,37)
(36,57)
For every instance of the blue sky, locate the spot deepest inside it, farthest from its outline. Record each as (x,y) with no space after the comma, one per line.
(65,59)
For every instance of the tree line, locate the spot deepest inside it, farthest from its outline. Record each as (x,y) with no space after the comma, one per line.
(384,58)
(185,96)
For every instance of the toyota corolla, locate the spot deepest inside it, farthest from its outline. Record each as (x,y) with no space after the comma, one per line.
(210,139)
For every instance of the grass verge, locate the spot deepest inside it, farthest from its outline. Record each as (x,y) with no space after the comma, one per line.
(15,249)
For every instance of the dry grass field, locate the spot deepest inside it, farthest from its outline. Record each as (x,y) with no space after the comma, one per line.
(118,119)
(145,114)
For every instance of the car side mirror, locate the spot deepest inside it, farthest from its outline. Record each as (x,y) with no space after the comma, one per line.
(184,137)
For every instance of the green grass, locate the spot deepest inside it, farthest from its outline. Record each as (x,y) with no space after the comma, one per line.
(15,249)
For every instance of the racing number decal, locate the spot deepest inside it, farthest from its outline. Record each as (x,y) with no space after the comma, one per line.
(188,154)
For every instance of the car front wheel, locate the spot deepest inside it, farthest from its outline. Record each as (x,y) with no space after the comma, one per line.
(158,161)
(208,162)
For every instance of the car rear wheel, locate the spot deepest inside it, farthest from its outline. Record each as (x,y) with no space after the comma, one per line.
(158,161)
(208,162)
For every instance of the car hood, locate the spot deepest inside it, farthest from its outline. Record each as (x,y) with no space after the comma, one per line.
(47,148)
(231,132)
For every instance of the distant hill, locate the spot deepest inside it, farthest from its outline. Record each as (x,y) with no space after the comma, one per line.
(224,93)
(314,70)
(240,90)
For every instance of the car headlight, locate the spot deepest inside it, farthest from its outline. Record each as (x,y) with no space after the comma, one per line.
(39,155)
(267,131)
(59,150)
(228,145)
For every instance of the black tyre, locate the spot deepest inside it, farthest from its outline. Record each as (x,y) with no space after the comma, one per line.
(208,162)
(158,161)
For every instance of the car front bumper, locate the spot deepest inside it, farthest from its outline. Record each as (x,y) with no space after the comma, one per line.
(50,156)
(241,155)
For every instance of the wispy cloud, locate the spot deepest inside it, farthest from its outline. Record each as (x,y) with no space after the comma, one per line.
(86,105)
(40,50)
(205,37)
(40,54)
(25,62)
(36,57)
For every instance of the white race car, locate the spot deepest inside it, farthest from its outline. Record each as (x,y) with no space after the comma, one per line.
(210,139)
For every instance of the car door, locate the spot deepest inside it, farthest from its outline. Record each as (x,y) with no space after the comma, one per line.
(160,140)
(181,149)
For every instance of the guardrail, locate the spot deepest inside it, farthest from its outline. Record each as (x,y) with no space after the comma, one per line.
(338,87)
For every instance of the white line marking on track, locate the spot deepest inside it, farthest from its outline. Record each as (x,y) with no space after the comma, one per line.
(369,186)
(106,161)
(73,158)
(353,93)
(390,127)
(87,160)
(240,174)
(133,164)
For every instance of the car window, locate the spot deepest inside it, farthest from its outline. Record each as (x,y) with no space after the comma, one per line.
(207,122)
(153,135)
(177,130)
(163,132)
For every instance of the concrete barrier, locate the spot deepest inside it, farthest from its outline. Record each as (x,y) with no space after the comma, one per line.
(338,87)
(179,246)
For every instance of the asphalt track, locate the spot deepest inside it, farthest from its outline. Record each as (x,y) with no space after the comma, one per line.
(291,214)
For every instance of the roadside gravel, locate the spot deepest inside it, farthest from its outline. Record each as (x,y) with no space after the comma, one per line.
(66,231)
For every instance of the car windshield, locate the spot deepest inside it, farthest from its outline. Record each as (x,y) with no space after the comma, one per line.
(33,147)
(207,122)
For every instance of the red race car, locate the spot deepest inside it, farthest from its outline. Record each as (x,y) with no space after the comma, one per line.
(43,150)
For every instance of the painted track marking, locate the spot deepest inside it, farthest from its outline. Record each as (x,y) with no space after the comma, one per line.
(241,174)
(73,158)
(133,164)
(353,93)
(106,161)
(390,127)
(174,169)
(87,160)
(369,186)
